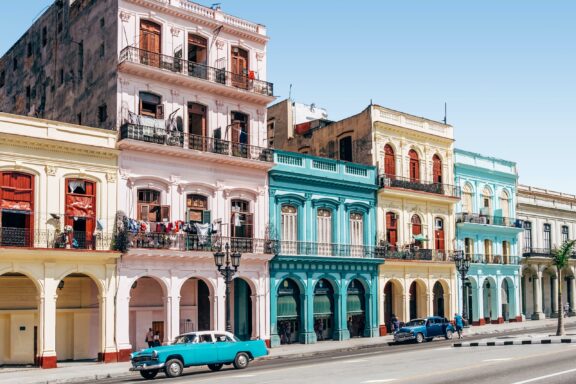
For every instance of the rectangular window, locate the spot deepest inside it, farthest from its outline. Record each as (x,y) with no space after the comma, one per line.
(29,49)
(102,50)
(102,113)
(289,230)
(28,97)
(346,148)
(565,234)
(548,237)
(151,105)
(324,232)
(61,76)
(15,63)
(44,36)
(527,236)
(469,248)
(149,207)
(356,234)
(2,78)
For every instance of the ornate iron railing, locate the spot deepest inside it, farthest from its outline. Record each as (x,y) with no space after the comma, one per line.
(386,181)
(489,220)
(307,248)
(493,259)
(38,238)
(541,252)
(176,138)
(414,253)
(196,70)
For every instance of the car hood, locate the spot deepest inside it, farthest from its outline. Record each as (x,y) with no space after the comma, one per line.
(159,350)
(407,329)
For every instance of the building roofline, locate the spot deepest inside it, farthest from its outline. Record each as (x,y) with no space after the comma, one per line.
(411,115)
(486,157)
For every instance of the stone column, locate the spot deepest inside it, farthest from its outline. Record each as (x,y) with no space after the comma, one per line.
(478,309)
(537,300)
(47,320)
(308,336)
(340,329)
(572,288)
(123,327)
(554,298)
(406,300)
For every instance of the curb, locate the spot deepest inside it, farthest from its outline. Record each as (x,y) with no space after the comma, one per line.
(498,343)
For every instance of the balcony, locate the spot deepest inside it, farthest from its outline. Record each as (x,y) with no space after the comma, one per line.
(405,183)
(174,138)
(183,72)
(197,243)
(493,259)
(414,254)
(475,218)
(306,248)
(37,238)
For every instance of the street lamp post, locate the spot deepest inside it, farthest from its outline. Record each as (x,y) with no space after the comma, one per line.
(227,264)
(463,265)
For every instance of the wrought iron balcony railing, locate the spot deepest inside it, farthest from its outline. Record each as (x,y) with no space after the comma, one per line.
(387,181)
(196,70)
(176,138)
(488,220)
(414,253)
(307,248)
(493,259)
(189,242)
(541,252)
(38,238)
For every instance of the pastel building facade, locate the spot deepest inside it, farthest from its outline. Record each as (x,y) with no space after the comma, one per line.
(324,278)
(487,231)
(57,268)
(549,219)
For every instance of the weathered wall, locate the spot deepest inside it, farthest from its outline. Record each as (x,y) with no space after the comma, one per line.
(65,65)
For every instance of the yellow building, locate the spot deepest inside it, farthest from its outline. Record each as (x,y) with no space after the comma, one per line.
(57,270)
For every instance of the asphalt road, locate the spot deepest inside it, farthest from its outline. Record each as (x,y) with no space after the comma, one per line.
(435,363)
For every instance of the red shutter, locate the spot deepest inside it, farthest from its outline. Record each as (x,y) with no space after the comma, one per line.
(414,166)
(389,161)
(437,169)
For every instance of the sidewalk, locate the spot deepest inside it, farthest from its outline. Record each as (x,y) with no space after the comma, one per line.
(83,371)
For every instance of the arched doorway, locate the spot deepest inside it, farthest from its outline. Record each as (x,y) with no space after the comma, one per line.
(470,299)
(19,330)
(489,292)
(417,300)
(242,309)
(505,300)
(78,327)
(288,311)
(323,310)
(146,311)
(549,287)
(393,303)
(195,306)
(356,309)
(438,300)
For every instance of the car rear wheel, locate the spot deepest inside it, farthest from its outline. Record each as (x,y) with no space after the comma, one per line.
(149,375)
(215,367)
(241,361)
(173,368)
(448,335)
(419,338)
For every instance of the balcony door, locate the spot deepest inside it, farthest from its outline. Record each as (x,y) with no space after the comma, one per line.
(81,212)
(242,225)
(239,68)
(197,126)
(389,162)
(17,209)
(391,230)
(150,43)
(197,56)
(439,239)
(436,170)
(414,166)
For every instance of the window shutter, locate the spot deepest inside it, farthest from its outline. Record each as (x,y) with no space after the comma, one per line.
(249,222)
(165,213)
(206,217)
(143,212)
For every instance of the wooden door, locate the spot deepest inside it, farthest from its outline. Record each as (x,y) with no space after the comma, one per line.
(81,211)
(391,229)
(150,43)
(239,67)
(414,166)
(197,126)
(389,162)
(439,235)
(437,169)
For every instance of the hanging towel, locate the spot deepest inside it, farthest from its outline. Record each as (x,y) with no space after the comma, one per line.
(203,231)
(237,221)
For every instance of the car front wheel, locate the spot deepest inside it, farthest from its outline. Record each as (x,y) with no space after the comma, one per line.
(149,375)
(419,338)
(448,334)
(215,367)
(241,361)
(173,368)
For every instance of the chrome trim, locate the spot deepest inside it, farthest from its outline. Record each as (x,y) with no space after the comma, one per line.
(147,367)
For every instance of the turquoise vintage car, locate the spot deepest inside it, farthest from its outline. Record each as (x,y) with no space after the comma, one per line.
(425,329)
(211,348)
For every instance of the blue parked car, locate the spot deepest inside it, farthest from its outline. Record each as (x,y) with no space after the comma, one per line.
(425,329)
(211,348)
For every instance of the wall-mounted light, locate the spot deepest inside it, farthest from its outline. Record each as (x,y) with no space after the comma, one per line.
(61,285)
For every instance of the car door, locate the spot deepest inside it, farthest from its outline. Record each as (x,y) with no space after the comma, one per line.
(226,347)
(433,329)
(204,350)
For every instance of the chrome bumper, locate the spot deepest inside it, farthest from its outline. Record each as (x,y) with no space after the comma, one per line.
(404,337)
(147,367)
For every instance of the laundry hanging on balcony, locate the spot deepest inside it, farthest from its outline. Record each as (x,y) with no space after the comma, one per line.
(420,237)
(80,206)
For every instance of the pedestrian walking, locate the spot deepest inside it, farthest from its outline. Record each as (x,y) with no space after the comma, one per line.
(157,339)
(459,325)
(395,323)
(321,329)
(566,309)
(288,330)
(150,338)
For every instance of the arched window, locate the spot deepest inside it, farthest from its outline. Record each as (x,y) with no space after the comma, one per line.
(389,161)
(81,211)
(486,202)
(439,237)
(391,229)
(505,204)
(150,43)
(289,225)
(414,166)
(356,234)
(436,169)
(324,233)
(17,209)
(417,229)
(239,67)
(467,199)
(487,251)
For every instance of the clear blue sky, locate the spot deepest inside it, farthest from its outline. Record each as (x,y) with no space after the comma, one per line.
(507,69)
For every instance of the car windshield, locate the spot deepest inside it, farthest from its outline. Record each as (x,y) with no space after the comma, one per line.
(184,339)
(415,323)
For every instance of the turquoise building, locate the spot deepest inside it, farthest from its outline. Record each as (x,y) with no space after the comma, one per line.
(324,278)
(487,232)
